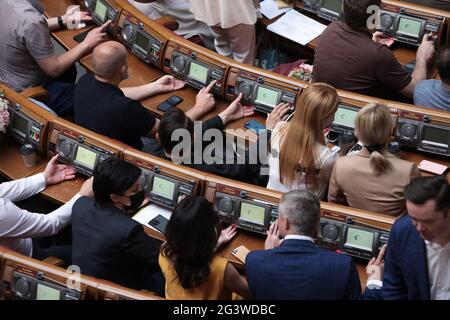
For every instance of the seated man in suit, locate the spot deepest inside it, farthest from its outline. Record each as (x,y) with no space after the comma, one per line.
(418,257)
(297,269)
(436,93)
(351,57)
(107,243)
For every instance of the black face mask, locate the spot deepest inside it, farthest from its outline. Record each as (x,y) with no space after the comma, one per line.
(135,201)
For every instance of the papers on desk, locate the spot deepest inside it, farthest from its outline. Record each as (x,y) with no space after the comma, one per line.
(269,8)
(297,27)
(146,214)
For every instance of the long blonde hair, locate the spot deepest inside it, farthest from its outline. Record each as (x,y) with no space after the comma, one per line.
(298,152)
(373,126)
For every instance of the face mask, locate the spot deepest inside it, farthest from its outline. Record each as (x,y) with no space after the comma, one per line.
(135,201)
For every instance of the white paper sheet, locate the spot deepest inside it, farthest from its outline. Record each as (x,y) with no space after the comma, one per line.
(146,214)
(269,8)
(297,27)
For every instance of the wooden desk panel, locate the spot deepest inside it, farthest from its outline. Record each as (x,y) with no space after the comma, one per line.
(11,163)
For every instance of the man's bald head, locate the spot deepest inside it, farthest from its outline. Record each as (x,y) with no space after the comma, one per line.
(109,58)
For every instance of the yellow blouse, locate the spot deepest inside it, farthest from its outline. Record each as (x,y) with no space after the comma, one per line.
(211,289)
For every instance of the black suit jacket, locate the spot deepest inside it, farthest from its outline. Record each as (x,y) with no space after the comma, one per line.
(109,245)
(249,173)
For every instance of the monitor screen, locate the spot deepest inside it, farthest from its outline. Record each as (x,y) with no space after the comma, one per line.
(142,41)
(46,293)
(267,96)
(198,72)
(345,117)
(252,213)
(86,157)
(163,188)
(20,124)
(333,6)
(359,239)
(100,10)
(409,27)
(436,135)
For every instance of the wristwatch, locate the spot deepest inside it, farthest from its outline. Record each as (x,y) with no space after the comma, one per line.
(61,23)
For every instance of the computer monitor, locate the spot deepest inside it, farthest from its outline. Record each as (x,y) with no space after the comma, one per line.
(198,72)
(266,96)
(333,6)
(163,188)
(252,213)
(86,157)
(359,239)
(142,41)
(409,27)
(436,135)
(20,125)
(47,293)
(101,10)
(345,117)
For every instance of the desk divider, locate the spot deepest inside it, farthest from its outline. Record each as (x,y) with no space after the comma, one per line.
(25,278)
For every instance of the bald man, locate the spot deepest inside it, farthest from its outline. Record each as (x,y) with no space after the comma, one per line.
(101,106)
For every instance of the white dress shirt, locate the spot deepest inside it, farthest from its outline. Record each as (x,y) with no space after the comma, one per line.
(18,226)
(438,259)
(298,237)
(326,159)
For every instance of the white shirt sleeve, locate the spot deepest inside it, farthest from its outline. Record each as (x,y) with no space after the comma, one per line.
(23,188)
(18,223)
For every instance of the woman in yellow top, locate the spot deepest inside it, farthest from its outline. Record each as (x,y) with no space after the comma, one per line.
(187,259)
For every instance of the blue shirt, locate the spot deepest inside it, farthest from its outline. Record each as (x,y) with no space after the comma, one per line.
(432,94)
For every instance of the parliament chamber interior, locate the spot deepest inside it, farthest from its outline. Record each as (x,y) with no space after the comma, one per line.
(249,232)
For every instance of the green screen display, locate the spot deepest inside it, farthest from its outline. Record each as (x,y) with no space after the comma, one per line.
(198,72)
(359,239)
(142,41)
(333,5)
(345,117)
(163,188)
(46,293)
(267,97)
(20,124)
(100,10)
(86,157)
(409,27)
(436,135)
(252,213)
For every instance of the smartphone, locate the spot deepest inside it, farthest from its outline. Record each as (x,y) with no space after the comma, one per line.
(255,126)
(159,223)
(169,103)
(240,253)
(433,167)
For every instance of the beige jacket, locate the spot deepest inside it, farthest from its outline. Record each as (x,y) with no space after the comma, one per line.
(353,182)
(225,13)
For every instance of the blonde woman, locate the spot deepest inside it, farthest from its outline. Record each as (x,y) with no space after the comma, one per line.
(300,158)
(372,179)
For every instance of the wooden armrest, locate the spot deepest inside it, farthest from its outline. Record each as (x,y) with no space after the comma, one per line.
(54,261)
(168,22)
(38,93)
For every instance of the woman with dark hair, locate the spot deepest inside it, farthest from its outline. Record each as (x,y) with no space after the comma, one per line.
(187,259)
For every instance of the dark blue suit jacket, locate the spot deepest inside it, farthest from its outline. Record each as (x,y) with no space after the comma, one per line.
(300,270)
(406,268)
